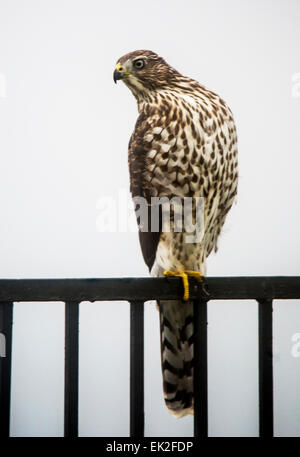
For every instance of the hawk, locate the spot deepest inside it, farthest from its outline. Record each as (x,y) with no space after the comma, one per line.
(184,145)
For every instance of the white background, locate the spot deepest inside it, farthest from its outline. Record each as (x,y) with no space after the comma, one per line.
(64,130)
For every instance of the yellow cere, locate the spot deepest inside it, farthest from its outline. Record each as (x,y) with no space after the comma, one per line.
(119,67)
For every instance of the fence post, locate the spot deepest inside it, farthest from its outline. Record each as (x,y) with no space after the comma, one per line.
(265,325)
(137,369)
(200,369)
(6,316)
(71,368)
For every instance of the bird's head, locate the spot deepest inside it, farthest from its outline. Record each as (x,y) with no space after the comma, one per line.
(143,71)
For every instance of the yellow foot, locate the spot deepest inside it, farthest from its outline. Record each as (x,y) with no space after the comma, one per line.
(185,280)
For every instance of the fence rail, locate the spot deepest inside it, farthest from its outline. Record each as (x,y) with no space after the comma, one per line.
(138,290)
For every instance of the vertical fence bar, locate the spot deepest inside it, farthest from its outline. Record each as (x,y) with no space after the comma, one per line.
(71,368)
(137,369)
(200,370)
(6,315)
(265,325)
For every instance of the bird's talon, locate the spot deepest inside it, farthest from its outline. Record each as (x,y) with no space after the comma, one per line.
(195,274)
(184,275)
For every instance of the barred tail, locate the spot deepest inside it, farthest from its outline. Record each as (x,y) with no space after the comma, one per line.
(177,352)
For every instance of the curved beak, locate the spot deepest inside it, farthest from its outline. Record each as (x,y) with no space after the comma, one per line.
(117,76)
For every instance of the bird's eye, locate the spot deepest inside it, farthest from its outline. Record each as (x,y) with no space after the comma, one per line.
(139,64)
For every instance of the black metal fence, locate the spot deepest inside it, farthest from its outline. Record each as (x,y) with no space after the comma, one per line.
(138,290)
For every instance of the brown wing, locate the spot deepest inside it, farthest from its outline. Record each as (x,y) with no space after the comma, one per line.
(137,153)
(149,241)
